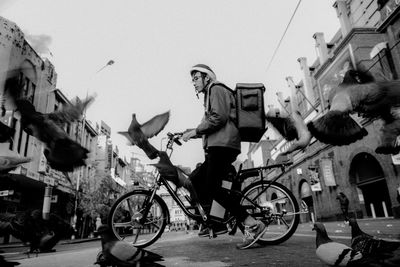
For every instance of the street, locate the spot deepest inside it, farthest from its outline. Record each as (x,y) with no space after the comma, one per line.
(181,249)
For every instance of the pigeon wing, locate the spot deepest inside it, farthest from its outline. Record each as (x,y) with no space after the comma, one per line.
(337,254)
(9,163)
(124,251)
(126,134)
(283,124)
(304,135)
(155,125)
(71,112)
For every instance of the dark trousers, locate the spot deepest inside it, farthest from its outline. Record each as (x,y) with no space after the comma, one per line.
(207,181)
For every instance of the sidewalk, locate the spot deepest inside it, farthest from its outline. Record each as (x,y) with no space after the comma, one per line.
(380,227)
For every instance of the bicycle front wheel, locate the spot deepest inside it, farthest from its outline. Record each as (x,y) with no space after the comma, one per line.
(135,219)
(274,205)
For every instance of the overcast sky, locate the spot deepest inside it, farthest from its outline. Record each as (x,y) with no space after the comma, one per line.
(154,44)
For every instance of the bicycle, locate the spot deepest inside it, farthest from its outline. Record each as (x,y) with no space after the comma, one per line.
(140,216)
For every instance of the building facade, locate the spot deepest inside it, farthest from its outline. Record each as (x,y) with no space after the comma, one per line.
(28,182)
(31,183)
(368,39)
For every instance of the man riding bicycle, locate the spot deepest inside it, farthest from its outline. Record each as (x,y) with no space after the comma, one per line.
(221,142)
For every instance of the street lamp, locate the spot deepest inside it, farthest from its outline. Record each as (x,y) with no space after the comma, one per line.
(109,63)
(80,173)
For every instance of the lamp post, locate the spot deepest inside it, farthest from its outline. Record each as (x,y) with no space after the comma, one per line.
(80,171)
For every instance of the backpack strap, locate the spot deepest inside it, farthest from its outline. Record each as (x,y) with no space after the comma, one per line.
(207,104)
(233,105)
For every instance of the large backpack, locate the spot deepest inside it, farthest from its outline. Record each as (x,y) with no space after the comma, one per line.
(250,114)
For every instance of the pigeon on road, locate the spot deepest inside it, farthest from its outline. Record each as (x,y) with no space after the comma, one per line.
(9,163)
(333,253)
(138,134)
(359,93)
(370,245)
(121,253)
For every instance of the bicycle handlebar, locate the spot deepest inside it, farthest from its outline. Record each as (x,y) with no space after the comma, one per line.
(175,137)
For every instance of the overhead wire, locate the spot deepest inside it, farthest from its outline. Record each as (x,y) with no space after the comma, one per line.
(283,35)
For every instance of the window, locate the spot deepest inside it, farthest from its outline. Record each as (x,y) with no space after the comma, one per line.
(20,139)
(29,88)
(26,145)
(12,126)
(383,61)
(31,95)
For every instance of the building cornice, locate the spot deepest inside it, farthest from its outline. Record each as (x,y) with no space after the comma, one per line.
(389,20)
(342,45)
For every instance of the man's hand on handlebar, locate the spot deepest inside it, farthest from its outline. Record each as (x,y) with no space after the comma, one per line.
(189,134)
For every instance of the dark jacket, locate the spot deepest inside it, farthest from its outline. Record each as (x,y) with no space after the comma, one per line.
(217,125)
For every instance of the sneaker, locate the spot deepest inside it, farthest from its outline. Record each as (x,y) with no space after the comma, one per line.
(252,234)
(217,229)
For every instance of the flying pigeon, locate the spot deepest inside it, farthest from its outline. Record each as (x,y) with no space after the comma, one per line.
(370,245)
(138,134)
(303,134)
(62,153)
(9,163)
(282,123)
(6,133)
(121,253)
(291,127)
(71,112)
(359,93)
(333,253)
(65,154)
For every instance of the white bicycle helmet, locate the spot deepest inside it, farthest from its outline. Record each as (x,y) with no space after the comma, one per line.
(204,69)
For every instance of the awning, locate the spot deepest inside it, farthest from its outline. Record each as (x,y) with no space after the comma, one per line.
(377,49)
(22,180)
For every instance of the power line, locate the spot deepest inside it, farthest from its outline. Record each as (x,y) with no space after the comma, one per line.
(283,35)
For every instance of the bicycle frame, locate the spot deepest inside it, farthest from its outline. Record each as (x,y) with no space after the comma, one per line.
(263,199)
(240,177)
(247,173)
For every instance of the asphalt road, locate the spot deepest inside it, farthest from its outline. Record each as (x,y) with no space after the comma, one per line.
(181,249)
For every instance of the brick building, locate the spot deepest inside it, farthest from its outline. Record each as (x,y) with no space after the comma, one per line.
(368,37)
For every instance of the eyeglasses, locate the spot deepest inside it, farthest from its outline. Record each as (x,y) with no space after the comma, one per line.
(195,78)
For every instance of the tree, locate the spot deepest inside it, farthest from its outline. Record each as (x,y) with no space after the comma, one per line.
(98,201)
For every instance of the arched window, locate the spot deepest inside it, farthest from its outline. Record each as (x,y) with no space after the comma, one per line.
(365,167)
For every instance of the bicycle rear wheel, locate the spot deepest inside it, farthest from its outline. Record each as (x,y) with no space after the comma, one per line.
(275,206)
(135,219)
